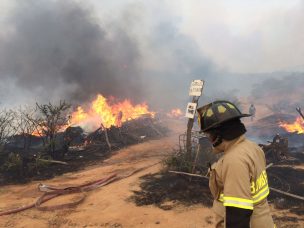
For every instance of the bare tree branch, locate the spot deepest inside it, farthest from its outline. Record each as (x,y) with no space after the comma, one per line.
(52,119)
(7,127)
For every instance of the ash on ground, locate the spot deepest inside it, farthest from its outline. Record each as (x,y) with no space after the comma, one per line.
(288,177)
(166,190)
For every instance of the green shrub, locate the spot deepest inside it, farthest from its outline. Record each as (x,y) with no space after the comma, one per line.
(37,165)
(13,165)
(176,161)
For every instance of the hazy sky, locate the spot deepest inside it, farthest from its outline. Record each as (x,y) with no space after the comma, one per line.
(242,36)
(151,49)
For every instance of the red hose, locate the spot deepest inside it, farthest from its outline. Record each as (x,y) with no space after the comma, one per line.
(55,191)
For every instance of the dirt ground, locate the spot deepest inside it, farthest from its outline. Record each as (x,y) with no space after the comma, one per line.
(115,205)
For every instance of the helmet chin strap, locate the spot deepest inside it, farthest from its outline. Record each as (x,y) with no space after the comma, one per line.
(215,137)
(218,140)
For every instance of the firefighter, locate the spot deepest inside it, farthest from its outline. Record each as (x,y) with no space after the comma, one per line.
(238,180)
(252,111)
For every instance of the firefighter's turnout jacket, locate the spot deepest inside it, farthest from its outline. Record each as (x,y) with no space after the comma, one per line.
(239,180)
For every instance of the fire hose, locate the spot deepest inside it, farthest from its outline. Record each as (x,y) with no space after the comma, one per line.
(51,192)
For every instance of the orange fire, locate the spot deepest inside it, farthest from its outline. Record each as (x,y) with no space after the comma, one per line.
(36,133)
(78,116)
(107,113)
(174,113)
(103,113)
(297,126)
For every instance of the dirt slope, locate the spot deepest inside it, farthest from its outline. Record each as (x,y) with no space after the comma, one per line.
(109,206)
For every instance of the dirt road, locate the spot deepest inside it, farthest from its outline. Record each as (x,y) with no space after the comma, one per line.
(108,206)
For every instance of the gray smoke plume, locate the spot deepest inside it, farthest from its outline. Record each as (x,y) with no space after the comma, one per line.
(282,94)
(57,47)
(55,50)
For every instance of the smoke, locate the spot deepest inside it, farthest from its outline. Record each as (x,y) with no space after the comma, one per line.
(143,50)
(280,94)
(182,62)
(64,50)
(58,48)
(248,37)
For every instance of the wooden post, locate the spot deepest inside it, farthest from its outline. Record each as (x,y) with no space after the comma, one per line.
(196,157)
(195,91)
(106,135)
(188,156)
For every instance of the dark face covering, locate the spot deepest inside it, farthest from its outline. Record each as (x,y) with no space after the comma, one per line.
(227,131)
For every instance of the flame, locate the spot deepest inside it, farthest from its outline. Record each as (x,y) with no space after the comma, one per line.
(175,113)
(105,112)
(36,133)
(297,126)
(78,115)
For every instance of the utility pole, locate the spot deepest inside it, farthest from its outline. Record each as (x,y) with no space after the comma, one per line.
(196,89)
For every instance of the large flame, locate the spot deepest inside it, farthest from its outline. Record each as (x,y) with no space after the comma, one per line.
(78,116)
(297,126)
(106,114)
(175,113)
(102,113)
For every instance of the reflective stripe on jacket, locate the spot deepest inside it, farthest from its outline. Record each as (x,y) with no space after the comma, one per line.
(259,191)
(239,179)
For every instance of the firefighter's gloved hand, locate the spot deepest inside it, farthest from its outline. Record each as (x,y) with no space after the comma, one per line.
(214,188)
(211,167)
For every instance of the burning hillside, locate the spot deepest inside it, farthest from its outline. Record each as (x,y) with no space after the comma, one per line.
(50,131)
(297,126)
(286,125)
(107,112)
(175,113)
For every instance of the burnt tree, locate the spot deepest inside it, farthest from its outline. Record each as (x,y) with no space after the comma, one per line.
(52,119)
(7,128)
(25,128)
